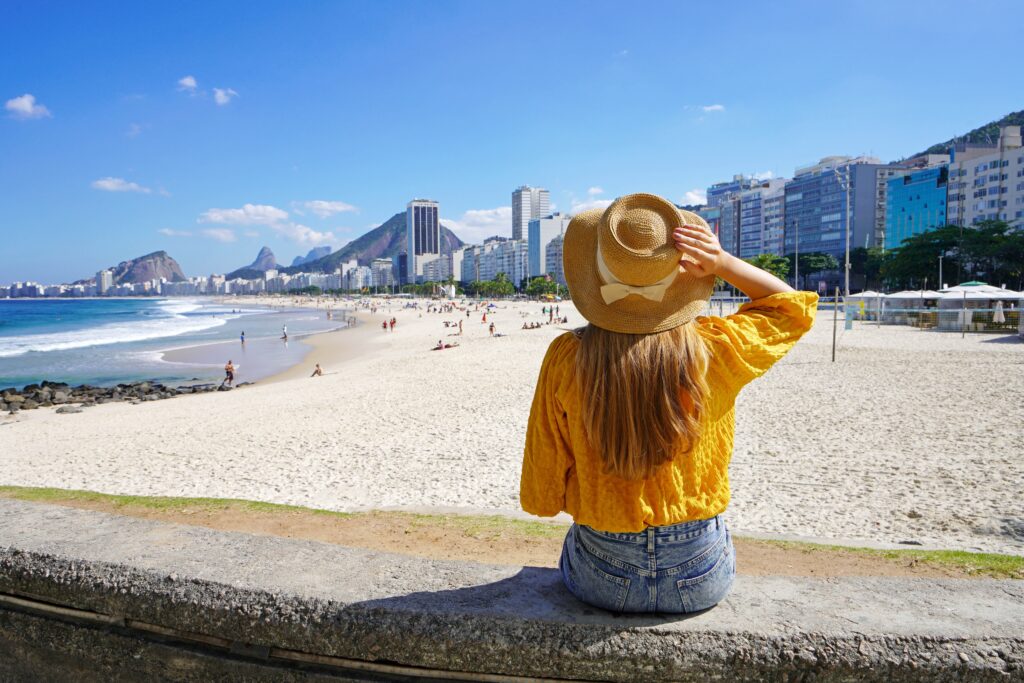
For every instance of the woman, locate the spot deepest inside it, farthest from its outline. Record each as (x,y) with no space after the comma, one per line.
(631,428)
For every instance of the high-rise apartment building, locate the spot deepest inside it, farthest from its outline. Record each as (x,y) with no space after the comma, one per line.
(915,203)
(541,232)
(553,255)
(719,192)
(817,205)
(761,219)
(423,235)
(528,203)
(988,183)
(104,282)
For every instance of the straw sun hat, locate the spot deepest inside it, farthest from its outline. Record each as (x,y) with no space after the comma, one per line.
(622,266)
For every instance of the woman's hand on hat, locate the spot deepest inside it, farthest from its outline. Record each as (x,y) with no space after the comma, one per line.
(702,253)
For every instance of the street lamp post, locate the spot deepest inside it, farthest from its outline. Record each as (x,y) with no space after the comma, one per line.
(796,253)
(844,182)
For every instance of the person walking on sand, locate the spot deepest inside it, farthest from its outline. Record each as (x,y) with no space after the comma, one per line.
(317,371)
(243,337)
(393,321)
(384,325)
(229,374)
(642,465)
(284,332)
(460,327)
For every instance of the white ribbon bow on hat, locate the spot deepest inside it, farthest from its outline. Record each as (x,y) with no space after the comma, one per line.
(615,290)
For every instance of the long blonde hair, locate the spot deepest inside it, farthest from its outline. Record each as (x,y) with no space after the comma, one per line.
(642,396)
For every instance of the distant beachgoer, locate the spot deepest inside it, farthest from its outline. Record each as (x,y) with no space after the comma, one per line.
(393,321)
(284,332)
(460,325)
(485,317)
(317,371)
(384,325)
(492,329)
(440,345)
(467,312)
(556,309)
(229,374)
(551,315)
(631,428)
(243,336)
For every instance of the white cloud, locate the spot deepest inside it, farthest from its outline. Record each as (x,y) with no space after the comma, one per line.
(252,233)
(764,175)
(249,214)
(594,191)
(221,234)
(695,196)
(708,108)
(476,225)
(188,84)
(26,107)
(174,233)
(134,130)
(223,95)
(323,208)
(118,185)
(592,203)
(304,235)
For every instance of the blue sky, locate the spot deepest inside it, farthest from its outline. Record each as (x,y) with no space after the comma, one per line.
(212,128)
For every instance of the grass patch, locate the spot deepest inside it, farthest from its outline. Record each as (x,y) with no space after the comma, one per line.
(986,564)
(161,503)
(487,526)
(500,527)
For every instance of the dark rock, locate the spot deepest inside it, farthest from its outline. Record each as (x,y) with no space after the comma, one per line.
(29,404)
(65,410)
(12,408)
(224,387)
(60,397)
(30,388)
(14,398)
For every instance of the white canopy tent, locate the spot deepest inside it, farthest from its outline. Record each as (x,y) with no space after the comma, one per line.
(978,306)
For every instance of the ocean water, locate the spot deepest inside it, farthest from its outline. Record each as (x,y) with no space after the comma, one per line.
(107,341)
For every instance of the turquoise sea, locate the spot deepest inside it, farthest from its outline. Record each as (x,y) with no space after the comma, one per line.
(107,341)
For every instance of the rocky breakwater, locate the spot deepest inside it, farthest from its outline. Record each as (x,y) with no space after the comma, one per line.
(70,399)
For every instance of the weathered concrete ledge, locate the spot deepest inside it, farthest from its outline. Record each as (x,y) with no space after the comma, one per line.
(92,596)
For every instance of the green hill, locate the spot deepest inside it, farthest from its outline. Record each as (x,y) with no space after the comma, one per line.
(987,133)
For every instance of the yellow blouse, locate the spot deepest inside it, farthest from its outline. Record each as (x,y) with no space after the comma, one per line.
(562,471)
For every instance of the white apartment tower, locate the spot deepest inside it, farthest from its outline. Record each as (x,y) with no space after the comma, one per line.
(423,235)
(104,281)
(528,203)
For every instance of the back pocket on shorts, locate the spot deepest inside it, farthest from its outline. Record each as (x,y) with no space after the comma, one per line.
(595,586)
(707,589)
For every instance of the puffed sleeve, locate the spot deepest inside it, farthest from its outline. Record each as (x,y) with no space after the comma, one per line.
(744,345)
(547,456)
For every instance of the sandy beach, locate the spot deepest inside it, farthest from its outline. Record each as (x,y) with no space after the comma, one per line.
(908,436)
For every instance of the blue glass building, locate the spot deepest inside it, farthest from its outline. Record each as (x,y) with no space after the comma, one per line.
(915,203)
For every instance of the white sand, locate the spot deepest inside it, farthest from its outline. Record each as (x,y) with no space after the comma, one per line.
(910,435)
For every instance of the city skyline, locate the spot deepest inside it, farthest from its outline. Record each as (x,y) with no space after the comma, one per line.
(209,143)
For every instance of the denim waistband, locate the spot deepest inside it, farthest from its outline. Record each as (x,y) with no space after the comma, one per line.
(671,532)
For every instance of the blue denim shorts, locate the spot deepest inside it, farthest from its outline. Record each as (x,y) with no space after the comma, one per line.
(675,569)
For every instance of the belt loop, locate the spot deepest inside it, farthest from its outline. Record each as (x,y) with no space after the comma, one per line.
(650,539)
(718,521)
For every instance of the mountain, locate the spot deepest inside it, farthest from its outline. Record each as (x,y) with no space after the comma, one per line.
(153,266)
(384,241)
(265,260)
(987,133)
(313,255)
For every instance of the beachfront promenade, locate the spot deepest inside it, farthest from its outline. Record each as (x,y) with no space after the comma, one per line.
(89,596)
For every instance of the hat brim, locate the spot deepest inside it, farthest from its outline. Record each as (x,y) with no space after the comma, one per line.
(683,301)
